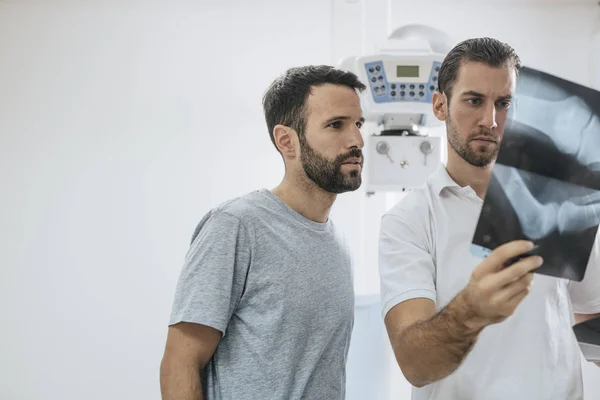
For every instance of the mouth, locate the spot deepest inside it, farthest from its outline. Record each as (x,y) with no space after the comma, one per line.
(352,166)
(484,139)
(353,162)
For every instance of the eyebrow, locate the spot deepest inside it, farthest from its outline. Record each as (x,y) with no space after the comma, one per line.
(477,94)
(342,117)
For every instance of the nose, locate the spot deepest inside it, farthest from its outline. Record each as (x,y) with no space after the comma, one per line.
(356,139)
(488,119)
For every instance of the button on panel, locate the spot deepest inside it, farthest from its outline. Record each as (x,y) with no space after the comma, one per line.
(377,81)
(432,85)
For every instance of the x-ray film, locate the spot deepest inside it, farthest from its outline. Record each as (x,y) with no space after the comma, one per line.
(545,186)
(588,337)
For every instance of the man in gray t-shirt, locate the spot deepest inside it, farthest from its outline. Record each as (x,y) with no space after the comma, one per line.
(264,306)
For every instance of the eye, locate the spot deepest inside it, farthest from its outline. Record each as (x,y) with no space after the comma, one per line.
(336,125)
(504,104)
(359,125)
(474,102)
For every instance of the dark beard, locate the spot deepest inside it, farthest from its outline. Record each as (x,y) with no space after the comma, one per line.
(328,174)
(483,158)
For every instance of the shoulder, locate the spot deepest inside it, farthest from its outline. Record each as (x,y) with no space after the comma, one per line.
(414,208)
(418,204)
(234,214)
(413,202)
(412,218)
(243,209)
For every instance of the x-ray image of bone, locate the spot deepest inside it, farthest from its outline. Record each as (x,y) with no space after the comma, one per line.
(565,117)
(544,205)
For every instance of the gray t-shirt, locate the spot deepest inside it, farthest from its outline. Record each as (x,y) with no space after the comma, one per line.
(280,288)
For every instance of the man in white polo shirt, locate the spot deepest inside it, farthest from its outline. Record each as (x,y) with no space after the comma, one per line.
(462,328)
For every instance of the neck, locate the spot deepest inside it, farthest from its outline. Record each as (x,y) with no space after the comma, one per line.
(466,174)
(306,198)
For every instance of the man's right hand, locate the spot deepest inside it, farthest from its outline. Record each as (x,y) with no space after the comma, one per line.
(429,346)
(495,290)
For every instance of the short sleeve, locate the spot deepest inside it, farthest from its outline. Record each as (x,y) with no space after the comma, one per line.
(213,276)
(406,267)
(585,295)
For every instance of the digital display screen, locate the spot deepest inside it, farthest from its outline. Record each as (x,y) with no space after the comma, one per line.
(407,71)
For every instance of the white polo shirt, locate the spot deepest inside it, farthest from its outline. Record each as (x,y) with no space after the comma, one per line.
(424,253)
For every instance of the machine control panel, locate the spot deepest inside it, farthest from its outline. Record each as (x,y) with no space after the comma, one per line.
(392,82)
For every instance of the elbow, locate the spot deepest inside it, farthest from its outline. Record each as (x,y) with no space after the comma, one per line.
(170,367)
(411,376)
(175,363)
(415,372)
(418,384)
(166,363)
(178,373)
(165,370)
(163,377)
(414,380)
(406,367)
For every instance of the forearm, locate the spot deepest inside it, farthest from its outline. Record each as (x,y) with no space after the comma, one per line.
(180,382)
(430,350)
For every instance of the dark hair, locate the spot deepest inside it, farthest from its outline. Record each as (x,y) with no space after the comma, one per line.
(485,50)
(285,100)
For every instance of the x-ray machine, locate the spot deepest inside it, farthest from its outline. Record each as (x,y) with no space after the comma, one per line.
(401,80)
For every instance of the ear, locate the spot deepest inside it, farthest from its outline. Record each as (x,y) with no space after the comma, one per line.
(440,105)
(285,140)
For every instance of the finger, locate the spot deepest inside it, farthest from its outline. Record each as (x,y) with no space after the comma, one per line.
(517,270)
(496,260)
(514,301)
(512,289)
(505,308)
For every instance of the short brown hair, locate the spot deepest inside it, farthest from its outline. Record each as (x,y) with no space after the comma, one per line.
(485,50)
(285,100)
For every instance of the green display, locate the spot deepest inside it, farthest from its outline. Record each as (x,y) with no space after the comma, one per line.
(407,71)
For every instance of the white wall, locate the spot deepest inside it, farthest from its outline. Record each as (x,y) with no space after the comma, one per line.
(120,125)
(119,130)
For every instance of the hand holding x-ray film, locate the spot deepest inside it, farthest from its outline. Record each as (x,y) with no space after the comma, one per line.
(545,186)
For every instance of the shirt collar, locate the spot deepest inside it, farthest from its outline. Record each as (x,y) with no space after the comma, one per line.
(441,180)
